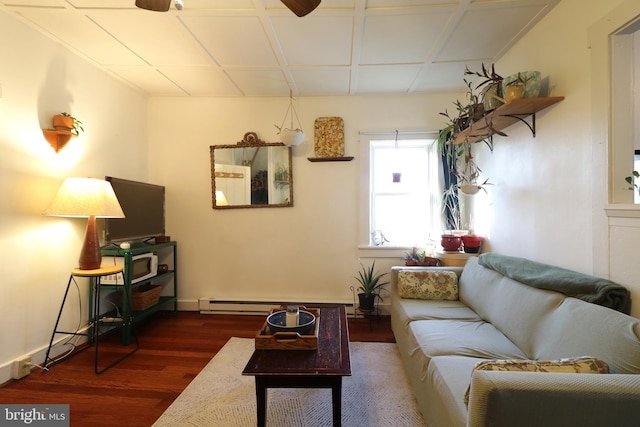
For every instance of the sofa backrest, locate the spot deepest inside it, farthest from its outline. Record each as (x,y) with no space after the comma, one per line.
(513,308)
(548,325)
(579,328)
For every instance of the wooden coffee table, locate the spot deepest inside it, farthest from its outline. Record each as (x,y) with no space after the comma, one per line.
(321,368)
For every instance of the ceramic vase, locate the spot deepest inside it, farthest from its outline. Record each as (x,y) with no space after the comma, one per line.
(292,137)
(451,243)
(472,243)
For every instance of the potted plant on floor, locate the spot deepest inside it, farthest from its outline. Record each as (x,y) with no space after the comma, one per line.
(370,286)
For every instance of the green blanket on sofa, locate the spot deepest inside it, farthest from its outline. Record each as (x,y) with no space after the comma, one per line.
(543,276)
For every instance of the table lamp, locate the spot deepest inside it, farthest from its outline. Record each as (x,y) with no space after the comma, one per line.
(86,198)
(221,200)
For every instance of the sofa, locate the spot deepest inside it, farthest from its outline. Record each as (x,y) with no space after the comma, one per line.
(483,349)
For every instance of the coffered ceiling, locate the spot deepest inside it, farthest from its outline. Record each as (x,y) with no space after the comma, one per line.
(260,48)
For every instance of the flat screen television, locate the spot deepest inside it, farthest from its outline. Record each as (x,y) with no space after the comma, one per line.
(143,206)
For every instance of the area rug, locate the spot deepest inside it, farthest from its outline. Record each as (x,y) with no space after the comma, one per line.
(377,394)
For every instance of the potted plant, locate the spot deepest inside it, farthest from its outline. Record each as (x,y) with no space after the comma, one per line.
(470,172)
(65,122)
(370,286)
(630,180)
(291,137)
(419,258)
(472,243)
(492,93)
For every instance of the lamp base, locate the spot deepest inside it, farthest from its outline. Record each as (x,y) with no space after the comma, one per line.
(90,255)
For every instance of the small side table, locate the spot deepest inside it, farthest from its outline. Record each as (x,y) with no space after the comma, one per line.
(94,276)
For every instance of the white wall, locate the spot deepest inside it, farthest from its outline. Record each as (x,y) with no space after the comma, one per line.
(307,252)
(541,206)
(39,79)
(550,191)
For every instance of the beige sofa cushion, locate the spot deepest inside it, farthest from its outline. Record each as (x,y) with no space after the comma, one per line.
(428,284)
(447,381)
(414,309)
(462,338)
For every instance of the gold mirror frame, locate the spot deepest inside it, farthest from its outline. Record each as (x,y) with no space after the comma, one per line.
(254,174)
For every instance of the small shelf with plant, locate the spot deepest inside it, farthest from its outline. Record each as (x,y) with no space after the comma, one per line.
(505,101)
(65,127)
(504,116)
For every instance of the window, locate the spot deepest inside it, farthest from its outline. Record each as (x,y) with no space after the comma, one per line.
(402,191)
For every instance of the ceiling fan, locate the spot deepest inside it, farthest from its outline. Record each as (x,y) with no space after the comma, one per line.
(299,7)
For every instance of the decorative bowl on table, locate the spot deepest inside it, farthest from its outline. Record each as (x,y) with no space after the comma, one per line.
(306,321)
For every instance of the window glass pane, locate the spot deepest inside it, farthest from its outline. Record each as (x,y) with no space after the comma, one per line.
(401,218)
(401,207)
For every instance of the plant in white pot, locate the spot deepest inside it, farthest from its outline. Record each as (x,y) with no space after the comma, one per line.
(291,136)
(469,174)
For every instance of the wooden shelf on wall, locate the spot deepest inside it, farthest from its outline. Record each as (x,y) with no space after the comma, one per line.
(330,159)
(504,116)
(57,138)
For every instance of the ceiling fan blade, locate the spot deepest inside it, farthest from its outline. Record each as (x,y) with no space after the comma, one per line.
(155,5)
(301,7)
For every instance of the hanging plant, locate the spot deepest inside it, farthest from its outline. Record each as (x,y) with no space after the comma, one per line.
(290,136)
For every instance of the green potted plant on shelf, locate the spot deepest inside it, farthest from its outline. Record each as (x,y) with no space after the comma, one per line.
(370,286)
(492,82)
(419,258)
(65,122)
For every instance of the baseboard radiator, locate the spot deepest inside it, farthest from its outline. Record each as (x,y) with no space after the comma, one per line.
(217,306)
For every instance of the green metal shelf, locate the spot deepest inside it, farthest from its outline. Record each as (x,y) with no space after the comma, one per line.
(167,278)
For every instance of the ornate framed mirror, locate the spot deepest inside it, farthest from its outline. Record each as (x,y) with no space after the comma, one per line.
(251,174)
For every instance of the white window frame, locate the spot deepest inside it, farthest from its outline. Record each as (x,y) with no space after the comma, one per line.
(364,245)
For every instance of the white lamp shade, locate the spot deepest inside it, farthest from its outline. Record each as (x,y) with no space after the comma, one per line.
(85,197)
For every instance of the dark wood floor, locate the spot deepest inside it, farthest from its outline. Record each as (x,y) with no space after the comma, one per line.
(173,350)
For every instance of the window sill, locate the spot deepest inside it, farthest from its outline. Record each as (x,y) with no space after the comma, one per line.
(623,210)
(383,251)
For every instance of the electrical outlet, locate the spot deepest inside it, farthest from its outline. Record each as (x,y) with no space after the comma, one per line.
(21,367)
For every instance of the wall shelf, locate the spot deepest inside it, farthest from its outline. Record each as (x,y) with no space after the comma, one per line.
(504,116)
(57,138)
(330,159)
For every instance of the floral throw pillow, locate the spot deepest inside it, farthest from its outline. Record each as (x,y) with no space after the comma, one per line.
(573,365)
(428,284)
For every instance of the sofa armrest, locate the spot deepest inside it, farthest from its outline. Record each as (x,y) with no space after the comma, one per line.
(499,398)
